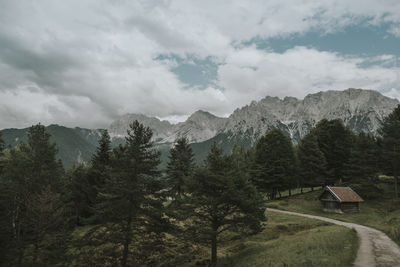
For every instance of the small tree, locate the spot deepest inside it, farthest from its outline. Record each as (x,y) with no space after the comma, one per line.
(390,132)
(221,199)
(180,167)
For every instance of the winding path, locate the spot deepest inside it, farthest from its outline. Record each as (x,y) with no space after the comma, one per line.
(375,247)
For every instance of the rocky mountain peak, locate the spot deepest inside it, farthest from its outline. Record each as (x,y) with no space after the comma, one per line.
(360,110)
(161,129)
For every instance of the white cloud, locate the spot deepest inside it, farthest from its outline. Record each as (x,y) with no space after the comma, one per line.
(90,61)
(296,72)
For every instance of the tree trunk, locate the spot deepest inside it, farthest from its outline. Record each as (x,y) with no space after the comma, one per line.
(279,192)
(214,248)
(290,192)
(19,241)
(128,236)
(396,190)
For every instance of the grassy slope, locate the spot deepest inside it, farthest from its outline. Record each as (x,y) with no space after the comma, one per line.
(285,241)
(293,241)
(382,214)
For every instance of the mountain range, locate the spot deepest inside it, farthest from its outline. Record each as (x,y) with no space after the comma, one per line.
(360,110)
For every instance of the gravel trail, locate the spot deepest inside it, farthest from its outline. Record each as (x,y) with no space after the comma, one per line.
(375,247)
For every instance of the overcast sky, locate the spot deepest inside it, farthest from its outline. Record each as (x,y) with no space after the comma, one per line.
(84,63)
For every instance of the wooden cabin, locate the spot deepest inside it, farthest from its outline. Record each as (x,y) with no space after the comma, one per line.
(340,200)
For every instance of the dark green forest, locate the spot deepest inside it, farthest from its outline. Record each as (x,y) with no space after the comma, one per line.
(122,209)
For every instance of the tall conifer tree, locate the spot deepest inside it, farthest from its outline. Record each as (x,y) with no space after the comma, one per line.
(312,163)
(221,199)
(275,163)
(2,143)
(334,140)
(130,207)
(180,167)
(390,132)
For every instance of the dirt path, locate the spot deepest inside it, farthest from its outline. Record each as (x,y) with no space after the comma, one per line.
(375,247)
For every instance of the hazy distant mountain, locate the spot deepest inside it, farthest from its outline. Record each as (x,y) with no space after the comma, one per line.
(360,110)
(161,129)
(75,145)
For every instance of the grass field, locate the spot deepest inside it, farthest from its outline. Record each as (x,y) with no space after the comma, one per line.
(382,213)
(293,241)
(285,241)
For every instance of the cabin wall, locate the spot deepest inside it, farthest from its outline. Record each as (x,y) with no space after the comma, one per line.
(327,196)
(350,207)
(331,206)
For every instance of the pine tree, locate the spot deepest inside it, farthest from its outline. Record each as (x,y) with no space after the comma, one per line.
(390,132)
(44,165)
(130,207)
(2,143)
(80,195)
(101,159)
(275,163)
(45,222)
(97,174)
(28,169)
(363,166)
(221,200)
(180,167)
(334,140)
(312,163)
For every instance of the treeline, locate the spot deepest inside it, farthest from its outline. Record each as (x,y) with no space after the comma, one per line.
(122,210)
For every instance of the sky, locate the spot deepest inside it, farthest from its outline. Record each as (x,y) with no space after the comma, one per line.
(86,62)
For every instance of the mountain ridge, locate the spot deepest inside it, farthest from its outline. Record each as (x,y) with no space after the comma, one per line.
(359,109)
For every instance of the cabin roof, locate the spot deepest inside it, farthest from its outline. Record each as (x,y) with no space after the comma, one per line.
(343,194)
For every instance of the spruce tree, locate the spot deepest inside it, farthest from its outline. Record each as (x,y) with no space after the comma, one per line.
(44,165)
(221,200)
(275,163)
(131,208)
(312,163)
(334,140)
(2,143)
(97,174)
(363,166)
(180,167)
(390,132)
(28,170)
(101,159)
(80,195)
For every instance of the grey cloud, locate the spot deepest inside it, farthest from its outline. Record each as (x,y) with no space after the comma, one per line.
(82,63)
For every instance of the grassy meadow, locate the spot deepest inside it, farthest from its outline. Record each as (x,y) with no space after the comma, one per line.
(285,241)
(382,213)
(293,241)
